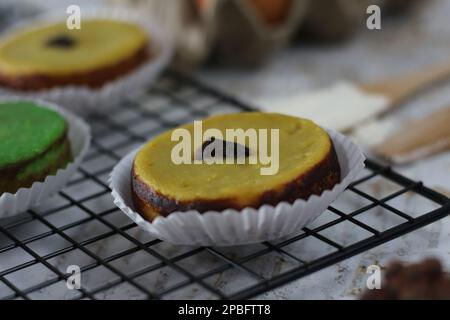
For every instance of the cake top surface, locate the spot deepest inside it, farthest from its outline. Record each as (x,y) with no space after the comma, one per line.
(26,131)
(56,50)
(302,145)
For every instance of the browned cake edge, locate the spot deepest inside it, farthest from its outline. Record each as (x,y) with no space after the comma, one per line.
(93,79)
(323,176)
(9,181)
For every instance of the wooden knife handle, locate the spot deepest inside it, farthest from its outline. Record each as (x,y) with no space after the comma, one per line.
(418,138)
(403,87)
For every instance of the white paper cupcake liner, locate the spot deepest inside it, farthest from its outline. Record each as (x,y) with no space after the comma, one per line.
(84,100)
(26,198)
(232,227)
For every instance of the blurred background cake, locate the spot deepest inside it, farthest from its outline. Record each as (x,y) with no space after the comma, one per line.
(51,55)
(33,144)
(246,32)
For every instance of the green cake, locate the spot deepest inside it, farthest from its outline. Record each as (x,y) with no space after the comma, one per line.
(33,144)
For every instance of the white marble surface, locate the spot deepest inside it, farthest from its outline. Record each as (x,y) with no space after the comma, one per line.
(403,45)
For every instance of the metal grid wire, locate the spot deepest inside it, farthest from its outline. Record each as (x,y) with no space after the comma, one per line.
(82,226)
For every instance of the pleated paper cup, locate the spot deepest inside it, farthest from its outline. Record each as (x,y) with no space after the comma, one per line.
(84,100)
(26,198)
(233,227)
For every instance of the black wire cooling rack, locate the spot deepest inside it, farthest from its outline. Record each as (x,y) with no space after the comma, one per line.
(81,226)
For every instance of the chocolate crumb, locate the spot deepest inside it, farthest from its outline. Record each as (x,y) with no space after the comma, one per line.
(61,41)
(420,281)
(226,148)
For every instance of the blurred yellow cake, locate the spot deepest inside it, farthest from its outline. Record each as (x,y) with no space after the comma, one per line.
(52,55)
